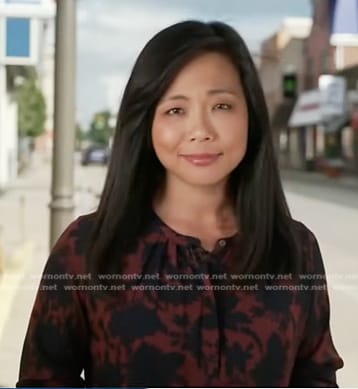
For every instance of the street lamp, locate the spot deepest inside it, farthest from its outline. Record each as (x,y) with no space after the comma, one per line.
(62,202)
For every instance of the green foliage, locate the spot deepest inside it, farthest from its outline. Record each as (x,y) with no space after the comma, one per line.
(100,130)
(80,136)
(31,109)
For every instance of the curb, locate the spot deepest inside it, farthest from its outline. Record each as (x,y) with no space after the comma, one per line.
(12,278)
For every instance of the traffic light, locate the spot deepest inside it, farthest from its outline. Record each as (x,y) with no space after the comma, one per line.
(290,85)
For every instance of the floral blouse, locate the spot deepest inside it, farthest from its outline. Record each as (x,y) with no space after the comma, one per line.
(173,319)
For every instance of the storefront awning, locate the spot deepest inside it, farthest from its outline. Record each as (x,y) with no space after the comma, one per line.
(307,110)
(327,105)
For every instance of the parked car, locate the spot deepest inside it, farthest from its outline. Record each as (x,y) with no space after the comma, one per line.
(95,155)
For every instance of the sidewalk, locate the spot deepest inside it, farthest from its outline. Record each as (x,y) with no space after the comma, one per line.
(25,222)
(18,291)
(349,182)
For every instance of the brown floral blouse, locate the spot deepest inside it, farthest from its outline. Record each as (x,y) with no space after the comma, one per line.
(173,319)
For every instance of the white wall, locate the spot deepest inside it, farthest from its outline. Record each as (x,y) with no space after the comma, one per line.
(8,109)
(8,134)
(3,158)
(46,68)
(12,136)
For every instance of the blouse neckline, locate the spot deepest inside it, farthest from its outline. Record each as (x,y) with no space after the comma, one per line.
(191,241)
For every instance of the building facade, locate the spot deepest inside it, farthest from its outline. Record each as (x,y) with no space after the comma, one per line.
(281,54)
(21,23)
(321,57)
(325,140)
(46,73)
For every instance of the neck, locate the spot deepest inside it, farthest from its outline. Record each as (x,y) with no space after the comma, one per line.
(200,205)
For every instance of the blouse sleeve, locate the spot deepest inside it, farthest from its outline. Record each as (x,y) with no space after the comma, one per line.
(54,350)
(317,359)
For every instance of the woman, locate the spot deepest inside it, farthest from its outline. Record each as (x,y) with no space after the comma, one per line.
(191,271)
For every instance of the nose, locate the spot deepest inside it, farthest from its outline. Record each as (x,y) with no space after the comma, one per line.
(200,137)
(201,129)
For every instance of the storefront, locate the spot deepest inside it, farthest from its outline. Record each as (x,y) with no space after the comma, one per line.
(306,131)
(320,126)
(351,131)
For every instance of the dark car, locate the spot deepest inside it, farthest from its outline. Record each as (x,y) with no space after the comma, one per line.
(95,155)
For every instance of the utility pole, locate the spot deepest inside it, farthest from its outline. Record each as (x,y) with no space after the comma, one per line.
(62,201)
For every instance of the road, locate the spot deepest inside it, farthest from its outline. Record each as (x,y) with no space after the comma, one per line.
(332,214)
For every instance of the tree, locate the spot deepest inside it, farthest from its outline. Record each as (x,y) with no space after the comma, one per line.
(31,108)
(80,136)
(100,130)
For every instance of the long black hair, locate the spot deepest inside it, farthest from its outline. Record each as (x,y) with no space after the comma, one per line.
(267,238)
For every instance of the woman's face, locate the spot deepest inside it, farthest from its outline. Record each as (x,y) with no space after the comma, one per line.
(200,125)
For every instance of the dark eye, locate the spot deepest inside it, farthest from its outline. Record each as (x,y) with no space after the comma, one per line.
(223,106)
(175,111)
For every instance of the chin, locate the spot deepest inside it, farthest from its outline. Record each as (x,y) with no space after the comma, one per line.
(205,180)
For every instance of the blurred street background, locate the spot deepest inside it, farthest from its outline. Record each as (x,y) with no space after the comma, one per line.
(307,57)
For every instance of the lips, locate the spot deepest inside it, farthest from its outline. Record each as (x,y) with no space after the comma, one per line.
(203,159)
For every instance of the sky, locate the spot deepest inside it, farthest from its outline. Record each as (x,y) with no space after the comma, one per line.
(111,34)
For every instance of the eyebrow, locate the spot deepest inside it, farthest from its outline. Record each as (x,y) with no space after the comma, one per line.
(219,91)
(210,92)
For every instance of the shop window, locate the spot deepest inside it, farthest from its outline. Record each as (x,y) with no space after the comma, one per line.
(348,143)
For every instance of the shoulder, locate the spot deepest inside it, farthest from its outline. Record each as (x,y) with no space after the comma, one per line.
(308,247)
(76,235)
(302,232)
(68,253)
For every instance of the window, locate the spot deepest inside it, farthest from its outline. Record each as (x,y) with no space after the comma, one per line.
(18,37)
